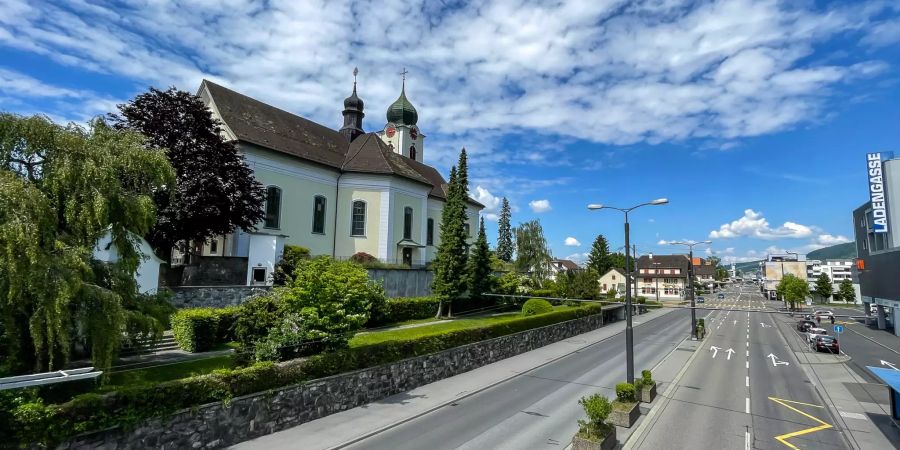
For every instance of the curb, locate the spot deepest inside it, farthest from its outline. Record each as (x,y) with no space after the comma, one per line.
(476,391)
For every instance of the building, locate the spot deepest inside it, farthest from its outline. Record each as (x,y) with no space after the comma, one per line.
(662,277)
(705,273)
(336,192)
(561,266)
(837,270)
(776,266)
(877,247)
(614,279)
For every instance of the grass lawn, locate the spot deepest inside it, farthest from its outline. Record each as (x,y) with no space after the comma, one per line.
(171,371)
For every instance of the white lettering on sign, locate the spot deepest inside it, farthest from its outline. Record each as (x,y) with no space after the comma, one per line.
(876,193)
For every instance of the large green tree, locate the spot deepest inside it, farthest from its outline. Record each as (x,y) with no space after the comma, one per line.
(504,233)
(793,290)
(480,265)
(599,259)
(215,192)
(824,288)
(846,292)
(61,189)
(450,280)
(532,254)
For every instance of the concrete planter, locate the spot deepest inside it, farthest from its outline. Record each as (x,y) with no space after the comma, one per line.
(624,418)
(648,393)
(608,443)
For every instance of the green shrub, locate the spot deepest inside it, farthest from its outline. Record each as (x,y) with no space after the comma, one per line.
(625,393)
(195,329)
(284,269)
(535,306)
(542,293)
(255,318)
(597,408)
(646,377)
(395,310)
(363,258)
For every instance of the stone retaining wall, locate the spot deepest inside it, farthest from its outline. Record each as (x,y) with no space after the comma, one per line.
(213,296)
(216,425)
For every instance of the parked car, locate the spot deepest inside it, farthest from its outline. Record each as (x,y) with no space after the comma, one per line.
(804,325)
(700,300)
(721,296)
(827,343)
(823,314)
(813,332)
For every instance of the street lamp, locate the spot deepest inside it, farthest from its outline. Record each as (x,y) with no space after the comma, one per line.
(690,245)
(629,335)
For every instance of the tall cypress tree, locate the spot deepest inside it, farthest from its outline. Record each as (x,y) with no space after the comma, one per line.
(504,234)
(599,259)
(480,265)
(450,262)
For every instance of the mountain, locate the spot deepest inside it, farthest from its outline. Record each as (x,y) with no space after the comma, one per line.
(750,267)
(840,251)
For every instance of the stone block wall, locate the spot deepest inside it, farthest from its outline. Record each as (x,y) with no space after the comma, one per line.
(216,425)
(213,296)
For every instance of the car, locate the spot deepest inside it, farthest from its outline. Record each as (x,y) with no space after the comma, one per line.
(700,300)
(823,314)
(827,343)
(813,332)
(804,325)
(721,296)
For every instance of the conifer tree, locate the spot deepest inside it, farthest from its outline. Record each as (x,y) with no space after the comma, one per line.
(480,265)
(450,280)
(504,234)
(599,259)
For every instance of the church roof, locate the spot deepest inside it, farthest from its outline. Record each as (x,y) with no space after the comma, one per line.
(369,154)
(402,111)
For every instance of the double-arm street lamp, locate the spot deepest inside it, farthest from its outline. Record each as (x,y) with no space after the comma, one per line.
(690,245)
(629,337)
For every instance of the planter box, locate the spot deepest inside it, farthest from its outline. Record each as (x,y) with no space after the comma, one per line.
(648,393)
(608,443)
(624,418)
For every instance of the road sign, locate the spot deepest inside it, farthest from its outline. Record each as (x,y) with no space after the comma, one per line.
(838,329)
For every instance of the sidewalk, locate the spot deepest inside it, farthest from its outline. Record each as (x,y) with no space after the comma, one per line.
(860,409)
(347,427)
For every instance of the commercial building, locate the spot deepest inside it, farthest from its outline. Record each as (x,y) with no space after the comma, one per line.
(837,270)
(662,277)
(877,246)
(776,266)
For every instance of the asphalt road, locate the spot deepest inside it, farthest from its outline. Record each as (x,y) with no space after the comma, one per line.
(750,400)
(865,344)
(540,408)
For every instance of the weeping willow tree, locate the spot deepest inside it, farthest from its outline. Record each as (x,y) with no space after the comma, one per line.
(61,189)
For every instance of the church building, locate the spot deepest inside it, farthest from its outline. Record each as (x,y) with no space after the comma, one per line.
(336,192)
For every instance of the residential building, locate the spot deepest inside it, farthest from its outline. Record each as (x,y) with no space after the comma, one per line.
(877,247)
(776,266)
(561,266)
(614,279)
(336,192)
(662,277)
(837,270)
(705,273)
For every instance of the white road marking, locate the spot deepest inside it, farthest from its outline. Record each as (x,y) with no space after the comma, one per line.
(748,364)
(747,381)
(730,352)
(746,440)
(747,403)
(748,351)
(853,415)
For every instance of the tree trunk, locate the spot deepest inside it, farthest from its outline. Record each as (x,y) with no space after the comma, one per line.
(440,308)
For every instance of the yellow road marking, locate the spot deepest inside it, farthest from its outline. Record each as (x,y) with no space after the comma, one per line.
(784,437)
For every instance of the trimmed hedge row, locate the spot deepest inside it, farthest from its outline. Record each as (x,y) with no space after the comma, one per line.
(49,425)
(201,329)
(403,309)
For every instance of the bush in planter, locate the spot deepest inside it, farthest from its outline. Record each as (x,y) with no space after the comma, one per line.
(625,393)
(646,377)
(535,306)
(597,408)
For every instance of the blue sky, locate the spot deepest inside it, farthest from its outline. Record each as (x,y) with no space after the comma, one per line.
(752,117)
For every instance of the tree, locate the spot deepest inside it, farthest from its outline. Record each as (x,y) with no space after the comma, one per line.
(532,253)
(450,280)
(846,291)
(504,234)
(61,189)
(215,191)
(578,284)
(599,259)
(792,289)
(618,260)
(824,289)
(480,265)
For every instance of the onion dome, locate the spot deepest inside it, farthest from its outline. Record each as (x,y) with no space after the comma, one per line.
(353,101)
(402,111)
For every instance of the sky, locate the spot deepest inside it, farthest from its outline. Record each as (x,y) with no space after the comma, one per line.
(752,117)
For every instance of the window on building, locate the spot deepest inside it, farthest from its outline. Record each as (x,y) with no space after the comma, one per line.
(614,278)
(358,225)
(412,152)
(259,275)
(273,207)
(429,239)
(648,280)
(214,247)
(318,214)
(407,222)
(466,227)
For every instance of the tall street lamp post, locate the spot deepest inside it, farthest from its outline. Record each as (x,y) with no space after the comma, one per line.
(690,245)
(629,335)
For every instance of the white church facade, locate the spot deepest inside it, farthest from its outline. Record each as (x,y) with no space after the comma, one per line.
(336,192)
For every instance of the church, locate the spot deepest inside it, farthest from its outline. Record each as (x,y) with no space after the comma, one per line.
(335,192)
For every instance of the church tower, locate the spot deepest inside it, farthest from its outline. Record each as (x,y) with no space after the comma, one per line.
(353,114)
(401,132)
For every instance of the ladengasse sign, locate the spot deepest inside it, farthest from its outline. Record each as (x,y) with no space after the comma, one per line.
(876,192)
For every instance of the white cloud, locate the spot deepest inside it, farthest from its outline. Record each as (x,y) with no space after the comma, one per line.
(662,242)
(578,258)
(21,85)
(540,206)
(728,251)
(708,251)
(572,242)
(753,224)
(828,239)
(491,203)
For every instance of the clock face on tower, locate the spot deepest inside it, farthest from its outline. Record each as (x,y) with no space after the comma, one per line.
(413,133)
(390,131)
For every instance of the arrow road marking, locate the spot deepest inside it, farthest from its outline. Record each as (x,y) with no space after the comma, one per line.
(715,351)
(885,363)
(784,437)
(764,325)
(730,351)
(777,363)
(735,321)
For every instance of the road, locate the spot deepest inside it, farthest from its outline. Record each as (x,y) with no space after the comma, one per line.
(758,397)
(538,409)
(865,344)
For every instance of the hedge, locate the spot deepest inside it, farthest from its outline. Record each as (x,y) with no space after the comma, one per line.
(536,306)
(402,309)
(36,423)
(201,329)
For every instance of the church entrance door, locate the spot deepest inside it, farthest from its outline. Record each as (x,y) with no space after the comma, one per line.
(407,256)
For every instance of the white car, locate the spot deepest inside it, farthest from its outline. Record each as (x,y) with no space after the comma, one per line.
(824,314)
(813,332)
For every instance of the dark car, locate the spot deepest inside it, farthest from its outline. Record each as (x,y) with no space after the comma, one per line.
(804,325)
(721,295)
(827,343)
(700,300)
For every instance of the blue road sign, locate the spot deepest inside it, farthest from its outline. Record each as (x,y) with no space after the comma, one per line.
(838,329)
